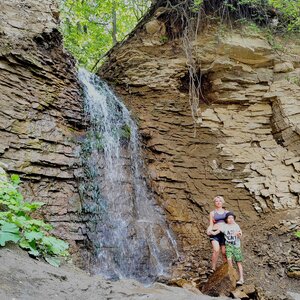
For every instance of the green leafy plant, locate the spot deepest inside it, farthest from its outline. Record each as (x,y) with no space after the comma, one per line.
(17,226)
(294,79)
(290,11)
(126,132)
(196,5)
(163,39)
(297,234)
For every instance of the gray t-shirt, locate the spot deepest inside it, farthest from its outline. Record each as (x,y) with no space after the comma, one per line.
(230,231)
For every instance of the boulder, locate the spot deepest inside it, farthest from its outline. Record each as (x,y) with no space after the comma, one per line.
(245,292)
(238,294)
(283,67)
(294,271)
(222,282)
(155,26)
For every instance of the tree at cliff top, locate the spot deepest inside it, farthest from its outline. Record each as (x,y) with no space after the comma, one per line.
(92,27)
(260,11)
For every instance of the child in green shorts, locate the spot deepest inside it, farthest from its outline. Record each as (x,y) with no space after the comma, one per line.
(233,233)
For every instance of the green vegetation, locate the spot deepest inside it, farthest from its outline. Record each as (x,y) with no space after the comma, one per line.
(289,11)
(163,39)
(17,226)
(91,27)
(294,79)
(279,15)
(126,132)
(297,234)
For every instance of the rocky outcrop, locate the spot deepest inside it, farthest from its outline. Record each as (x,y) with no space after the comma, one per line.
(243,143)
(40,111)
(222,282)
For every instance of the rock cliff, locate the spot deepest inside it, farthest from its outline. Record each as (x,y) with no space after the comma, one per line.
(41,110)
(242,143)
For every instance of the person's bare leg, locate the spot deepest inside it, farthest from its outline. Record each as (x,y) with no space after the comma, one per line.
(223,250)
(241,272)
(215,254)
(229,261)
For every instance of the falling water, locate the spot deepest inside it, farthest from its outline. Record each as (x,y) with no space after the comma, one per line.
(126,228)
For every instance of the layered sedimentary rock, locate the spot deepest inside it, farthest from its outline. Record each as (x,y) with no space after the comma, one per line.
(41,113)
(243,142)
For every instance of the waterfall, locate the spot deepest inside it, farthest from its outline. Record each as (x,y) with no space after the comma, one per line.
(126,228)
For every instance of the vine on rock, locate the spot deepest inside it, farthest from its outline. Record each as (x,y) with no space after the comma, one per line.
(187,17)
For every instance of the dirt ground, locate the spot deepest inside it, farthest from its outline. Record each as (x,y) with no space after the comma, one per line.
(23,278)
(271,253)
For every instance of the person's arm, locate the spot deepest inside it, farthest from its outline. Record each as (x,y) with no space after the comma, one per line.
(211,223)
(215,231)
(239,233)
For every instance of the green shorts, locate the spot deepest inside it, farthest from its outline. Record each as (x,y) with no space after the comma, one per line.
(233,252)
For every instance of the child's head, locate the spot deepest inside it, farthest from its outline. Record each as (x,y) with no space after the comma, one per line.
(230,217)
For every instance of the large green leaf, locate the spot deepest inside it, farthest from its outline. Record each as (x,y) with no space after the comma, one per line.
(30,246)
(9,233)
(54,245)
(15,179)
(53,261)
(34,235)
(20,221)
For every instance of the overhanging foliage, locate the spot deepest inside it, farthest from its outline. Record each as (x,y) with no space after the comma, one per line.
(92,27)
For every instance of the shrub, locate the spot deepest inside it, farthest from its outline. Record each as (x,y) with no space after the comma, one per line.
(17,226)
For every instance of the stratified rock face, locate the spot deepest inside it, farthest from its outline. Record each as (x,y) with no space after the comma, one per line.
(40,110)
(245,142)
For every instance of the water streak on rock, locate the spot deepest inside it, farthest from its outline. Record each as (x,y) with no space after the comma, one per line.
(127,229)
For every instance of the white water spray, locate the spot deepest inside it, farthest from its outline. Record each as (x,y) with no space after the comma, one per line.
(127,230)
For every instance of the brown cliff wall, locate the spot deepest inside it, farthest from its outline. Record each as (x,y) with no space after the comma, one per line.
(244,144)
(40,115)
